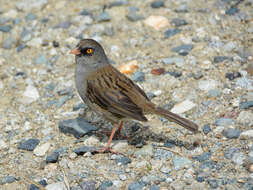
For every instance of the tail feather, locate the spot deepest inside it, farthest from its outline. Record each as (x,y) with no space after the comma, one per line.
(175,118)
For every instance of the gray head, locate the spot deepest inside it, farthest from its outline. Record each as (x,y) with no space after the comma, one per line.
(90,54)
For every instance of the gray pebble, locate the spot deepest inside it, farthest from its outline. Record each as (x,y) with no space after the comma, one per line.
(104,185)
(138,76)
(171,32)
(30,17)
(172,60)
(213,183)
(88,185)
(136,186)
(157,4)
(118,3)
(246,105)
(228,153)
(154,187)
(8,179)
(77,127)
(29,144)
(219,59)
(202,157)
(62,100)
(178,22)
(3,20)
(84,149)
(40,59)
(5,28)
(26,35)
(183,49)
(231,133)
(206,129)
(224,122)
(64,25)
(9,42)
(103,17)
(214,93)
(123,160)
(181,162)
(53,157)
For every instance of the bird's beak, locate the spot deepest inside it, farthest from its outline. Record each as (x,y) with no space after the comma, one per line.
(75,51)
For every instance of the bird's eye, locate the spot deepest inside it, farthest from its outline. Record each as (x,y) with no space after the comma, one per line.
(87,51)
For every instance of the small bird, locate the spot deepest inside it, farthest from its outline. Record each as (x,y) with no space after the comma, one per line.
(111,94)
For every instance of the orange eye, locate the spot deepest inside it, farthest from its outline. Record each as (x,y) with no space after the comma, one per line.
(89,51)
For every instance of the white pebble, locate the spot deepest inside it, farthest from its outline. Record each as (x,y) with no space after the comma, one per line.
(183,107)
(41,149)
(31,94)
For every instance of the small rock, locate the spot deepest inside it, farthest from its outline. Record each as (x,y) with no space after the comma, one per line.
(84,149)
(207,85)
(42,182)
(62,100)
(247,135)
(88,185)
(138,76)
(246,105)
(103,17)
(53,157)
(28,5)
(206,129)
(175,73)
(157,4)
(136,186)
(183,49)
(219,59)
(197,76)
(165,169)
(26,35)
(161,154)
(158,71)
(30,95)
(144,151)
(41,149)
(56,186)
(171,32)
(238,158)
(231,133)
(40,60)
(202,157)
(157,22)
(224,122)
(122,177)
(118,3)
(29,144)
(180,162)
(213,93)
(77,127)
(3,145)
(133,16)
(79,105)
(154,187)
(229,152)
(123,160)
(9,43)
(183,107)
(56,44)
(213,183)
(63,25)
(179,61)
(232,11)
(30,17)
(5,28)
(178,22)
(104,185)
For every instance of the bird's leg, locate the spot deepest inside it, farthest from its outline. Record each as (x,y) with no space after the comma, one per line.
(107,147)
(117,133)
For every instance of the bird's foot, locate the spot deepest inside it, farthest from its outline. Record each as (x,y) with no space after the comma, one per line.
(117,134)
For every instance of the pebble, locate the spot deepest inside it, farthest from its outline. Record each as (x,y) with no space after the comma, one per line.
(202,157)
(171,32)
(3,20)
(84,149)
(9,43)
(179,61)
(30,95)
(79,106)
(30,17)
(41,149)
(63,25)
(165,169)
(56,186)
(3,144)
(213,93)
(138,76)
(123,160)
(245,118)
(213,183)
(232,11)
(181,162)
(206,129)
(219,59)
(53,157)
(207,85)
(29,144)
(8,179)
(229,152)
(28,5)
(40,59)
(154,187)
(42,182)
(244,83)
(156,22)
(238,158)
(183,49)
(133,16)
(161,154)
(247,135)
(129,67)
(246,105)
(224,122)
(62,100)
(146,150)
(158,71)
(136,186)
(5,28)
(178,22)
(175,74)
(88,185)
(103,17)
(26,35)
(231,133)
(183,107)
(122,177)
(232,76)
(157,4)
(77,127)
(105,185)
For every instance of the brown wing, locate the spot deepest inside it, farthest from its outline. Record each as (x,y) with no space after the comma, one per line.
(113,92)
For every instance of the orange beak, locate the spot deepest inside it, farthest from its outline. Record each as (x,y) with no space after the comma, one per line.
(75,51)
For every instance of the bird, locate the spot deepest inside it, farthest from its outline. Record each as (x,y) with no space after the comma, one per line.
(111,94)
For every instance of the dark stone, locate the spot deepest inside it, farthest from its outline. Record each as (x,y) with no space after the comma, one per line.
(178,22)
(246,105)
(88,185)
(21,74)
(53,157)
(65,91)
(171,32)
(175,74)
(232,11)
(118,3)
(157,4)
(231,133)
(135,127)
(232,76)
(5,28)
(56,44)
(84,149)
(104,185)
(213,183)
(138,76)
(29,144)
(183,49)
(206,129)
(138,142)
(219,59)
(42,182)
(170,143)
(200,179)
(136,186)
(85,12)
(77,127)
(123,160)
(21,47)
(202,157)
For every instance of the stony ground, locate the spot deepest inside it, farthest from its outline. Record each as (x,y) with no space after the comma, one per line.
(192,57)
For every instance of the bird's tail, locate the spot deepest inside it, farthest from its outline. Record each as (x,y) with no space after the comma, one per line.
(174,118)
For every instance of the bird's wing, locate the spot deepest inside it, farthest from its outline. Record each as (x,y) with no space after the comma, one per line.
(116,93)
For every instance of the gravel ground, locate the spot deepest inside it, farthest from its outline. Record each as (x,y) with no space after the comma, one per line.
(193,57)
